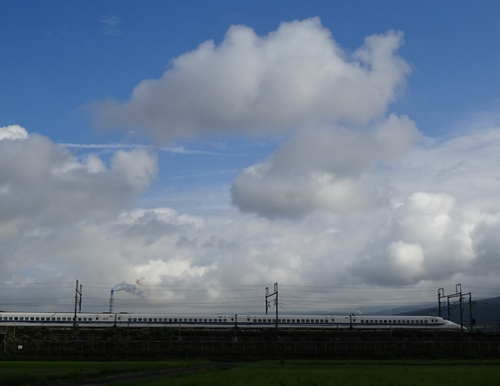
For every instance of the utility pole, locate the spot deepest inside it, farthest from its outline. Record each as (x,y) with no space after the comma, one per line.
(440,295)
(458,289)
(457,294)
(80,302)
(470,312)
(77,292)
(275,300)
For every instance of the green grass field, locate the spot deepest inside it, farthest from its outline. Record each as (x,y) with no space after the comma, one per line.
(320,373)
(48,373)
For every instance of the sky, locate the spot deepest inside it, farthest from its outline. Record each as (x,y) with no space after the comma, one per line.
(198,152)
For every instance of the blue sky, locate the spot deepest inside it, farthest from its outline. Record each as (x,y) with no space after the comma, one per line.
(68,70)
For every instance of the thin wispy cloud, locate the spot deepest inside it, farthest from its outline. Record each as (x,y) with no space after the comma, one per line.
(101,146)
(176,150)
(183,150)
(231,171)
(110,25)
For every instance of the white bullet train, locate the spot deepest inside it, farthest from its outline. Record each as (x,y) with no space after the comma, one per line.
(292,322)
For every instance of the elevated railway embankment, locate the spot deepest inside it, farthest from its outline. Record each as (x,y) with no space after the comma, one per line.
(29,343)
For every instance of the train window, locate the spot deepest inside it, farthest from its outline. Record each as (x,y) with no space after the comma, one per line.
(190,320)
(155,320)
(225,320)
(10,318)
(232,319)
(421,321)
(303,321)
(90,319)
(288,320)
(196,320)
(321,321)
(15,317)
(129,319)
(293,320)
(426,321)
(150,319)
(255,320)
(385,321)
(260,320)
(139,319)
(204,320)
(21,318)
(64,319)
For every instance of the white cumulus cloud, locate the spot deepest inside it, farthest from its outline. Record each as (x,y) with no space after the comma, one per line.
(42,184)
(293,76)
(324,169)
(13,132)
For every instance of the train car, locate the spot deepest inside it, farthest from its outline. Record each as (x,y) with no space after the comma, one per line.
(403,322)
(176,321)
(56,319)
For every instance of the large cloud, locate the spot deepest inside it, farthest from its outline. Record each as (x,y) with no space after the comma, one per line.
(327,168)
(439,227)
(291,77)
(43,185)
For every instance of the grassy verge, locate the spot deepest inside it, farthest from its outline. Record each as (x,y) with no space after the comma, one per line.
(48,373)
(359,373)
